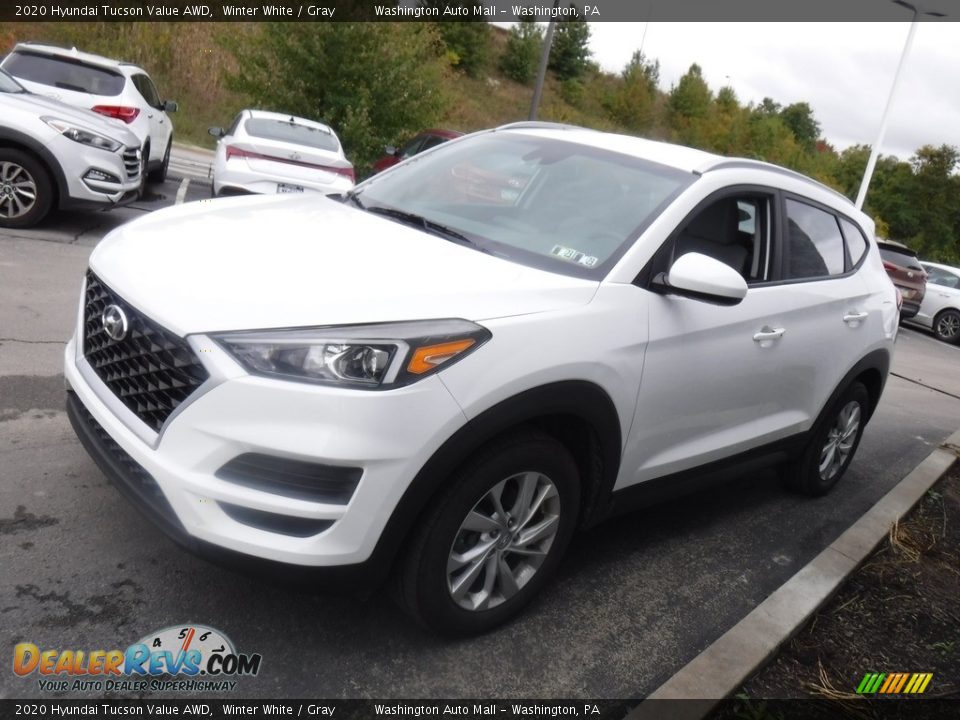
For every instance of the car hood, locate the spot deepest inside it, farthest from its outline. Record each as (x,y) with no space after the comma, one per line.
(277,262)
(87,119)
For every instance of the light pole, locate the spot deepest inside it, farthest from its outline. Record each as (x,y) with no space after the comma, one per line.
(544,59)
(875,150)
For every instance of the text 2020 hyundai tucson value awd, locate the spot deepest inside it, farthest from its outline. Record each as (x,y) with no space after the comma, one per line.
(473,354)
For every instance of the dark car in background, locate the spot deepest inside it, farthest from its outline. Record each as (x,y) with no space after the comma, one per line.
(907,274)
(424,141)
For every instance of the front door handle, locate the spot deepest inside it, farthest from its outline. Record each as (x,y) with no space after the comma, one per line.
(854,318)
(768,335)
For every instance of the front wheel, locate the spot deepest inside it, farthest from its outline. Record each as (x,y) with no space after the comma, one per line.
(946,326)
(832,445)
(491,541)
(26,191)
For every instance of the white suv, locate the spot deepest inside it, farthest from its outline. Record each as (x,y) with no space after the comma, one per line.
(112,88)
(475,353)
(56,156)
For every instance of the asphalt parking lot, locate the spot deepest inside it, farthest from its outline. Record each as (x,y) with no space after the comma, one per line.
(636,599)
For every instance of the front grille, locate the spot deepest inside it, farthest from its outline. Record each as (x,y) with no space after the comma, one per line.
(150,369)
(131,161)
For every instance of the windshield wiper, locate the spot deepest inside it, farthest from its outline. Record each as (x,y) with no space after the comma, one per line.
(419,221)
(353,197)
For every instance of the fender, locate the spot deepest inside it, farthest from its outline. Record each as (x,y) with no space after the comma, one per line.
(49,160)
(581,399)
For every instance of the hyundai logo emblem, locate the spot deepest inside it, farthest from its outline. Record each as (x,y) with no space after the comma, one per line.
(114,321)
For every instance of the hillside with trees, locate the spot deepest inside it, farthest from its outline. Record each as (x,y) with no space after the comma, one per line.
(379,83)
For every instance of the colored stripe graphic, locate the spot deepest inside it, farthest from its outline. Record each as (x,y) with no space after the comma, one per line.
(894,683)
(876,683)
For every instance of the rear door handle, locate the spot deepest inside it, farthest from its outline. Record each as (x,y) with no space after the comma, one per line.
(851,318)
(768,334)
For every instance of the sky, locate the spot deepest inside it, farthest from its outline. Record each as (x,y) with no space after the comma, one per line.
(843,70)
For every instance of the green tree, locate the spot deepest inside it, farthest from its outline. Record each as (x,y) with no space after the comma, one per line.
(805,128)
(688,108)
(570,51)
(633,104)
(519,60)
(372,82)
(467,43)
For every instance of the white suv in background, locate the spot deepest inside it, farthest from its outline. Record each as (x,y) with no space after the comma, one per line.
(112,88)
(56,156)
(474,354)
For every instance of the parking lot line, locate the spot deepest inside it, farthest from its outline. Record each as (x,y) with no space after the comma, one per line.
(182,191)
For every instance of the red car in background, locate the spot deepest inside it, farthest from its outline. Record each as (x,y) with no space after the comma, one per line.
(907,274)
(424,141)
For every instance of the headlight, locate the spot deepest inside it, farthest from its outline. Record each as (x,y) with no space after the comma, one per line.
(365,356)
(84,137)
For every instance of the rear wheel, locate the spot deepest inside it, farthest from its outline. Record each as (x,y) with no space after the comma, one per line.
(26,191)
(832,445)
(946,326)
(491,541)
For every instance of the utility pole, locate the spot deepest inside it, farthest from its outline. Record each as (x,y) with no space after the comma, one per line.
(544,59)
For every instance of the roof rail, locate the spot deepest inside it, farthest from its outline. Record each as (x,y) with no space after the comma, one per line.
(539,125)
(770,167)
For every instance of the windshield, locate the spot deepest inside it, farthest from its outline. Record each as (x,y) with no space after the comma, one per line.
(291,132)
(548,203)
(9,85)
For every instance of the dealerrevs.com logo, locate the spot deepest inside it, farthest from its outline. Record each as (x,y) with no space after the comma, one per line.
(184,658)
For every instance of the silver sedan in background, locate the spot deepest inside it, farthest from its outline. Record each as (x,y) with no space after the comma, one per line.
(266,152)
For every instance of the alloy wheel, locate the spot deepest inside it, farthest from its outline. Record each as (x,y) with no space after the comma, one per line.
(18,190)
(840,440)
(503,541)
(948,326)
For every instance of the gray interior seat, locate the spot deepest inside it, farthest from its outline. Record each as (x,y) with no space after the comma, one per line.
(715,232)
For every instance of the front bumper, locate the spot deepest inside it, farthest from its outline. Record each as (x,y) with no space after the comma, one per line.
(172,476)
(84,169)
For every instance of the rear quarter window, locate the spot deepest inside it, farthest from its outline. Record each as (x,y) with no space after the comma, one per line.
(64,73)
(856,243)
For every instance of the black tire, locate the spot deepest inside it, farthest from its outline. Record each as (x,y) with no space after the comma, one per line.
(808,474)
(946,326)
(20,175)
(424,584)
(159,175)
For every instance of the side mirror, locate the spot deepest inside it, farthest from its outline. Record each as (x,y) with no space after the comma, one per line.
(701,277)
(217,132)
(170,106)
(391,150)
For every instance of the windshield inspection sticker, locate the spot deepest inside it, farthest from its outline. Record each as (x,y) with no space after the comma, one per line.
(572,255)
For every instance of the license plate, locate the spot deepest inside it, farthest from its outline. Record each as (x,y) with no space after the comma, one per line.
(284,188)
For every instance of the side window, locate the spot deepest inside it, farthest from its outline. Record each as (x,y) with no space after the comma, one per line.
(432,141)
(814,245)
(942,277)
(856,243)
(412,147)
(145,88)
(734,230)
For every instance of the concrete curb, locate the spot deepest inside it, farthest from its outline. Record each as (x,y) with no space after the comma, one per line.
(726,664)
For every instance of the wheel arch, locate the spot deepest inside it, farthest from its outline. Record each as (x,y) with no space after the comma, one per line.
(872,371)
(16,140)
(579,414)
